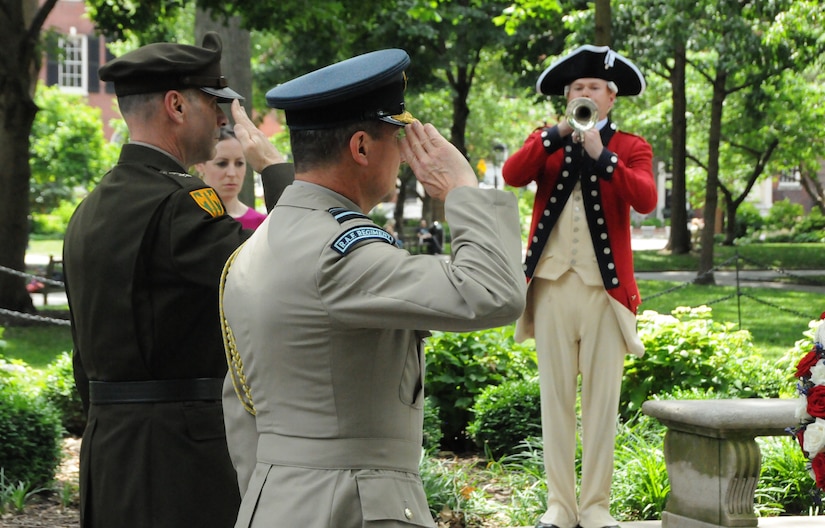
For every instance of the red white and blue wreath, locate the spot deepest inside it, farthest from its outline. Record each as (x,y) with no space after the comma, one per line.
(810,434)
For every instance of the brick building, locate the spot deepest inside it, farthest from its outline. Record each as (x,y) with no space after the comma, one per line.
(83,53)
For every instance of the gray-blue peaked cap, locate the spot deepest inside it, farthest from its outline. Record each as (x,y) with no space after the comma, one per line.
(362,88)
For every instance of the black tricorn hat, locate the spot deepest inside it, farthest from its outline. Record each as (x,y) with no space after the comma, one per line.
(362,88)
(599,62)
(169,66)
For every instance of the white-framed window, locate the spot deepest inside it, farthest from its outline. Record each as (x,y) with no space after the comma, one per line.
(73,68)
(790,179)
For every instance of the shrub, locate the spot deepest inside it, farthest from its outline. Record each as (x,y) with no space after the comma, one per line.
(640,482)
(461,365)
(506,415)
(808,237)
(748,220)
(784,214)
(442,485)
(785,486)
(60,390)
(30,435)
(652,221)
(17,376)
(523,473)
(812,222)
(689,349)
(432,426)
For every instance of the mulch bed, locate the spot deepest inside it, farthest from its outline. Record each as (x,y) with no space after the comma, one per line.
(47,509)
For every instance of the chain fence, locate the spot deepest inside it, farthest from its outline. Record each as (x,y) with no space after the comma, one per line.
(46,281)
(737,259)
(700,278)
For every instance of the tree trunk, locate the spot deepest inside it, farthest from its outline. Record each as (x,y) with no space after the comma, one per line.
(236,66)
(603,31)
(20,23)
(813,186)
(461,84)
(730,220)
(732,204)
(14,198)
(680,240)
(705,275)
(461,111)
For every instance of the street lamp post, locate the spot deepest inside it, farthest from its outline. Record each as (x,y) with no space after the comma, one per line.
(499,156)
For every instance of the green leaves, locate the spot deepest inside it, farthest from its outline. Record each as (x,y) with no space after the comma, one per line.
(67,148)
(461,365)
(690,351)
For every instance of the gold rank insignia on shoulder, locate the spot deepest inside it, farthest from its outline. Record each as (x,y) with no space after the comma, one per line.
(178,174)
(207,199)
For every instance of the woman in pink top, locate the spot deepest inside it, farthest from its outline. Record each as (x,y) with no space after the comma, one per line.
(225,173)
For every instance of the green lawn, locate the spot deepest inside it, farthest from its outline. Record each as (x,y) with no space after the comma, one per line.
(36,345)
(755,256)
(775,318)
(46,247)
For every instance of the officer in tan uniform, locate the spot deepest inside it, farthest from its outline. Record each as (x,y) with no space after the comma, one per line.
(325,315)
(143,256)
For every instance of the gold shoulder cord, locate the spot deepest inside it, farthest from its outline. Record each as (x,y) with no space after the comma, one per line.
(233,359)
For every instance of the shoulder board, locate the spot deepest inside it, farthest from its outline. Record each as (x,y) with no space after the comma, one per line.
(178,174)
(350,238)
(207,199)
(342,215)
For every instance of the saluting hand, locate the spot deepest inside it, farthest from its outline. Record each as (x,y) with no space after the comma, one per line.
(258,150)
(436,162)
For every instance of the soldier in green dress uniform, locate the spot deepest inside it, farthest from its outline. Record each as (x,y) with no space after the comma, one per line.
(143,255)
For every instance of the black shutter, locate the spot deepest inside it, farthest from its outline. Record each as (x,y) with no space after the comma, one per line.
(93,47)
(110,87)
(51,69)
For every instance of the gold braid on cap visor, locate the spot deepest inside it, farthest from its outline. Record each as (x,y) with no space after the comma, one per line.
(404,117)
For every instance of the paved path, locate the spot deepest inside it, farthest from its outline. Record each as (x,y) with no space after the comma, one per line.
(747,278)
(765,522)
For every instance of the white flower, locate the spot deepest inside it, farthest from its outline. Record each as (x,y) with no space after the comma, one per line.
(819,333)
(814,437)
(818,373)
(802,409)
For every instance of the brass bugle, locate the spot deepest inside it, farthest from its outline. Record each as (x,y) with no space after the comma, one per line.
(582,114)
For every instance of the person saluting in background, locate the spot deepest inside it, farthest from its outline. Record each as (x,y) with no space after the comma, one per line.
(225,173)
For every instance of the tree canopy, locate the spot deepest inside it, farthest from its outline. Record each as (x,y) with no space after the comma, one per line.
(68,150)
(733,87)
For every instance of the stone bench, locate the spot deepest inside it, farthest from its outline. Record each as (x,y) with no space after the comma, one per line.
(712,458)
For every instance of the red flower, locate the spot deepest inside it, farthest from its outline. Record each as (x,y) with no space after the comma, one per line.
(816,401)
(803,368)
(800,437)
(818,467)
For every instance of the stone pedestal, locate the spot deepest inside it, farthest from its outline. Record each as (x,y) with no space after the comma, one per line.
(712,457)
